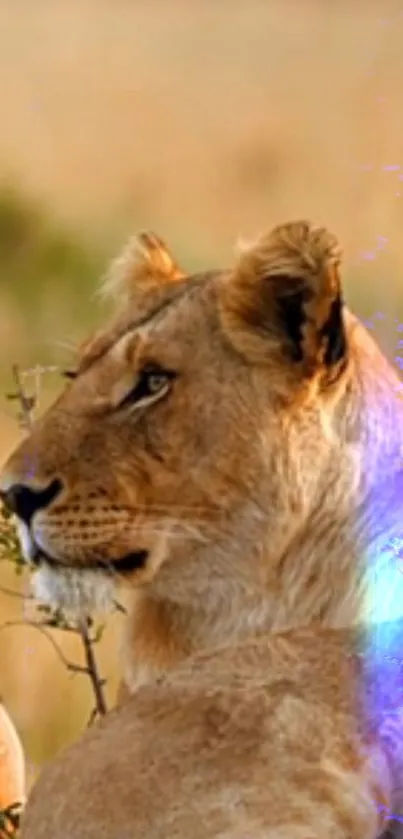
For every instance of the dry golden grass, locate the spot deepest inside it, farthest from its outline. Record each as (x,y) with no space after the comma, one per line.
(205,120)
(210,118)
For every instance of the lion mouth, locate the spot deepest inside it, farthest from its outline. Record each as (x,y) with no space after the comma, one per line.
(126,564)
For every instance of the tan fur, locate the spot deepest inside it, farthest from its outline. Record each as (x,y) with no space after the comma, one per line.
(300,249)
(251,479)
(297,252)
(144,263)
(12,764)
(258,740)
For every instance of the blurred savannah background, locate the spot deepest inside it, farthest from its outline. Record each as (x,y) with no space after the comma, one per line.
(206,121)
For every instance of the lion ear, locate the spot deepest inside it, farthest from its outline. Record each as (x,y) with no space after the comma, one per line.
(144,264)
(285,293)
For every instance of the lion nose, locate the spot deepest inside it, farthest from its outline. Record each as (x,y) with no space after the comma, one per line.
(24,501)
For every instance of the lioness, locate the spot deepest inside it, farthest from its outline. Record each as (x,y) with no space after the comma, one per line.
(230,450)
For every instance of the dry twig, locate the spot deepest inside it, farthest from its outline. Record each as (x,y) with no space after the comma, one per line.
(54,619)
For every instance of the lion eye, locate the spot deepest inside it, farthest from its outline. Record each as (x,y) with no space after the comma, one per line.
(151,382)
(155,381)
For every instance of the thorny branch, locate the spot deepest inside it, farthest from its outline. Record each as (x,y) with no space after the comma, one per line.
(52,619)
(92,668)
(27,403)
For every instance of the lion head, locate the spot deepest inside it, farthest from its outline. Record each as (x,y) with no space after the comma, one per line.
(219,450)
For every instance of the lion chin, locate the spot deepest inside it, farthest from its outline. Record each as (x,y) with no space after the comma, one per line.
(76,593)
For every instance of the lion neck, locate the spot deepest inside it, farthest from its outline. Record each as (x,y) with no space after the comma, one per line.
(208,596)
(321,577)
